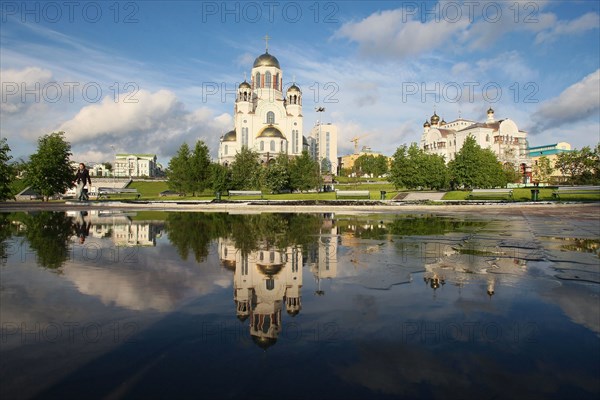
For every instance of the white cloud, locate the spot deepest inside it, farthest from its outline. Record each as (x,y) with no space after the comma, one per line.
(390,34)
(577,26)
(576,103)
(157,123)
(22,88)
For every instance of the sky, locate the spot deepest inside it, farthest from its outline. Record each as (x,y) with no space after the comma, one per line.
(147,76)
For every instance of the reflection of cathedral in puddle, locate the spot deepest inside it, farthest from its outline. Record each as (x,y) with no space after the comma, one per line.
(462,269)
(263,280)
(266,279)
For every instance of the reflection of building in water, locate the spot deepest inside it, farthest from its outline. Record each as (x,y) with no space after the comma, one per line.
(122,229)
(322,257)
(460,269)
(264,280)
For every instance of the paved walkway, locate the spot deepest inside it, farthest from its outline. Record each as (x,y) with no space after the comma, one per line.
(433,196)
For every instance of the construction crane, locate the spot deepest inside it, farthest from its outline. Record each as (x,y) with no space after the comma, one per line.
(355,140)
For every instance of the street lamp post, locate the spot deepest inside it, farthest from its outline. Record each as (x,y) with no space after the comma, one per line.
(114,168)
(319,110)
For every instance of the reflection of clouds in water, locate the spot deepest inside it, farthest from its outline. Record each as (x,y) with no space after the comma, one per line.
(455,372)
(160,285)
(579,302)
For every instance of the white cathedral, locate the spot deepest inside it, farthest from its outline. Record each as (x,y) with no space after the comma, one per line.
(265,120)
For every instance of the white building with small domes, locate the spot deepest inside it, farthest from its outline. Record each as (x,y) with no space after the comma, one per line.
(503,137)
(267,117)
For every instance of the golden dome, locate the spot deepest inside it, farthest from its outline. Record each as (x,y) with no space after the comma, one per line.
(434,118)
(442,122)
(293,88)
(266,60)
(270,269)
(426,124)
(245,85)
(490,111)
(271,132)
(229,136)
(264,342)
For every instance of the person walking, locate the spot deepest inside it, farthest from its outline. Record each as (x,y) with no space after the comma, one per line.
(82,178)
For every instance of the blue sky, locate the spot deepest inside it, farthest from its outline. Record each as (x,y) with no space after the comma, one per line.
(145,76)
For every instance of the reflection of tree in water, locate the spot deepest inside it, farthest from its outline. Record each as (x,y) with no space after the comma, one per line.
(48,234)
(430,225)
(7,230)
(195,231)
(404,225)
(583,245)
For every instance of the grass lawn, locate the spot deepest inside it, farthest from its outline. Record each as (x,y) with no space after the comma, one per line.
(525,195)
(151,190)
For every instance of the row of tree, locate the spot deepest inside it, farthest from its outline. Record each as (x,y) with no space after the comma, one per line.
(472,167)
(49,170)
(192,172)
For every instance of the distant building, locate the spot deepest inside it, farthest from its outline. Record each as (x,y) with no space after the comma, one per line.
(99,170)
(503,137)
(347,161)
(135,165)
(322,143)
(550,151)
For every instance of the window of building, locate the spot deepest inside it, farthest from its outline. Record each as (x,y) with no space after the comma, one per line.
(257,80)
(262,145)
(270,284)
(268,79)
(272,145)
(225,150)
(270,117)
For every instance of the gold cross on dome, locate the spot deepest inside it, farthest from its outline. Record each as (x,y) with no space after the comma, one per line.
(267,37)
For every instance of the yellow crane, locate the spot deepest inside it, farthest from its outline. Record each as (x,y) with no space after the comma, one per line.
(355,140)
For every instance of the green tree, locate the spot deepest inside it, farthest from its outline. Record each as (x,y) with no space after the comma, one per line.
(220,178)
(413,168)
(304,173)
(49,170)
(511,173)
(246,170)
(542,169)
(380,166)
(199,168)
(325,166)
(474,167)
(7,172)
(178,171)
(277,174)
(579,165)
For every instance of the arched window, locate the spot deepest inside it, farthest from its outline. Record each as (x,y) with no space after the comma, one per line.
(270,117)
(270,283)
(257,80)
(268,79)
(272,145)
(282,147)
(262,145)
(226,148)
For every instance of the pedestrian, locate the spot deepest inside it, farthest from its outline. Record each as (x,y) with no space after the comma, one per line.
(82,178)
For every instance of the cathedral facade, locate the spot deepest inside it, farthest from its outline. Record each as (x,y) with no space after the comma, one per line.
(267,117)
